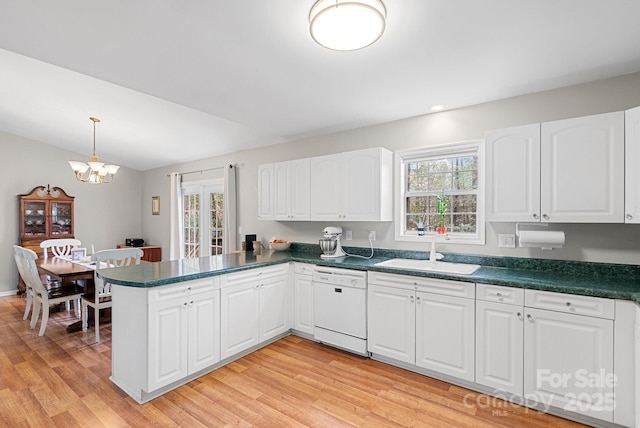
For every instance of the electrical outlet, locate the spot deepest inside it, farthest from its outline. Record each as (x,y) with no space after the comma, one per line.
(349,235)
(372,235)
(506,240)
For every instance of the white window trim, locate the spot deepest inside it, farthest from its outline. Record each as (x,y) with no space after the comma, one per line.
(442,150)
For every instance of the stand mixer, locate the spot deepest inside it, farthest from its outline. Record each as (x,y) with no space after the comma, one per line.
(330,243)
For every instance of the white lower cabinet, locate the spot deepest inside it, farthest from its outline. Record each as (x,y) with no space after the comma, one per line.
(239,315)
(500,338)
(423,321)
(568,352)
(392,322)
(253,307)
(445,334)
(184,337)
(557,350)
(303,298)
(499,346)
(568,362)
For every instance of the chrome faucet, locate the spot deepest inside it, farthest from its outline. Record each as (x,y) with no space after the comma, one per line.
(433,255)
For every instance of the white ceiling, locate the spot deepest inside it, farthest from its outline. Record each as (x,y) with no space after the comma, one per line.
(178,80)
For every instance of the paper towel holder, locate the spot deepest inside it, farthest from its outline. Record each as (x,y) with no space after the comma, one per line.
(529,224)
(543,246)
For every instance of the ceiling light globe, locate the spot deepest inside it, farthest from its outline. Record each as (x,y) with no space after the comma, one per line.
(111,169)
(80,167)
(95,166)
(347,25)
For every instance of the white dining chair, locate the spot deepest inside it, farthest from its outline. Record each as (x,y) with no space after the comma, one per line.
(101,298)
(58,247)
(29,291)
(40,296)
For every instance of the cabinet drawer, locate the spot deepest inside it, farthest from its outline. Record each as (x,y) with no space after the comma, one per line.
(183,289)
(501,294)
(231,279)
(303,268)
(571,303)
(429,285)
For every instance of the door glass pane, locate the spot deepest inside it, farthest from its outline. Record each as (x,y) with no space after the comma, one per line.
(216,230)
(191,206)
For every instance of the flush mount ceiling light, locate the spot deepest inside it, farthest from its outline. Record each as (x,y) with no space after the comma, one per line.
(98,172)
(347,25)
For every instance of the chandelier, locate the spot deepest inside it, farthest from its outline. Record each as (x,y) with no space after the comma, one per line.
(98,172)
(347,25)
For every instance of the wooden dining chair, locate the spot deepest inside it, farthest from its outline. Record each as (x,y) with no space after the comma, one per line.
(102,296)
(40,296)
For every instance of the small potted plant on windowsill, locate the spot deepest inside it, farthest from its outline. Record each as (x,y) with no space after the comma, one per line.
(443,206)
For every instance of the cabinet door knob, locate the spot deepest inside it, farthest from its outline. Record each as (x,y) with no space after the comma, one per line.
(629,217)
(536,216)
(418,300)
(529,317)
(544,216)
(520,316)
(411,299)
(499,295)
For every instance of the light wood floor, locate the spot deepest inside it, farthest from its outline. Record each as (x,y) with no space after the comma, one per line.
(62,380)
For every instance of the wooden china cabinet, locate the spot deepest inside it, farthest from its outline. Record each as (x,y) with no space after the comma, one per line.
(45,213)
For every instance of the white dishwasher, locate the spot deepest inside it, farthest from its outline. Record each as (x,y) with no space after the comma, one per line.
(340,308)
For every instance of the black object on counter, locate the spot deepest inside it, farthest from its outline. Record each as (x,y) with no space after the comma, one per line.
(134,242)
(248,242)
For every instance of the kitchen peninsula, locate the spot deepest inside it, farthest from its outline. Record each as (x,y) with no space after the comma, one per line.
(159,341)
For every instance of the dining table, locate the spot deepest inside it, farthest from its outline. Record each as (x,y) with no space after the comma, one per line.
(66,271)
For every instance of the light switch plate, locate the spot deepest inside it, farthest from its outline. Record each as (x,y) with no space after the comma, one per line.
(349,235)
(506,240)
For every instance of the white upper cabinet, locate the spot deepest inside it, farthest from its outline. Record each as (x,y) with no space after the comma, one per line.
(291,190)
(513,173)
(567,171)
(632,165)
(352,186)
(266,189)
(327,187)
(582,169)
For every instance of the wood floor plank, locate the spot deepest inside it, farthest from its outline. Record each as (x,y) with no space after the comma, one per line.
(62,380)
(11,409)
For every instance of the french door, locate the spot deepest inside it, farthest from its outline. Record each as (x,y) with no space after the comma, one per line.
(202,208)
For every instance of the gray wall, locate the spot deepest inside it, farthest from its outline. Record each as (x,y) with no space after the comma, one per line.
(107,214)
(104,214)
(601,243)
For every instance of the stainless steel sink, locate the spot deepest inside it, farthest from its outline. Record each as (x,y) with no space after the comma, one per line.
(426,265)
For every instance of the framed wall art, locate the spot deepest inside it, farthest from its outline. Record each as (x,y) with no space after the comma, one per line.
(155,205)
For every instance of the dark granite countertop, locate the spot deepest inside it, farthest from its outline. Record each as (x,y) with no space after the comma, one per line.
(586,278)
